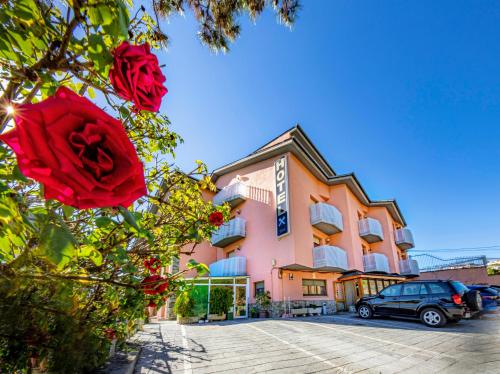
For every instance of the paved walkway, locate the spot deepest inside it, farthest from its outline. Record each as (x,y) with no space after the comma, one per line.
(338,344)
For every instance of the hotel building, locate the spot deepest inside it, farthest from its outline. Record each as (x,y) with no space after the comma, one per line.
(302,232)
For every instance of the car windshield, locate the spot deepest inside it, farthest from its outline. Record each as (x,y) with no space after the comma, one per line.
(459,287)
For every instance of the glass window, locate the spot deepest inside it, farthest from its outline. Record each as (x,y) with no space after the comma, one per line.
(366,288)
(394,290)
(231,253)
(423,290)
(259,288)
(314,287)
(316,241)
(436,288)
(373,286)
(410,289)
(459,287)
(380,285)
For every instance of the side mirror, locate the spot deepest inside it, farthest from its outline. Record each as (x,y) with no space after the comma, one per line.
(381,296)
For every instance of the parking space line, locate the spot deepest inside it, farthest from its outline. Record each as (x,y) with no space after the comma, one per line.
(185,345)
(432,353)
(294,346)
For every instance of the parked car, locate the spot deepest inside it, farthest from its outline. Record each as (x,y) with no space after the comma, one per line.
(433,302)
(489,295)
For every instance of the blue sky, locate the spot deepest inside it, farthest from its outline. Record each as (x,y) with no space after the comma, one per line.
(405,94)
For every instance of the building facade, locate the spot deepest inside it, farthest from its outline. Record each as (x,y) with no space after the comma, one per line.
(302,232)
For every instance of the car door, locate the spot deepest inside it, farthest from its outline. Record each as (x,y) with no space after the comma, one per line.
(387,301)
(410,299)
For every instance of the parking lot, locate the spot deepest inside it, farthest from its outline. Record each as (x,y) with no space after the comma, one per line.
(330,344)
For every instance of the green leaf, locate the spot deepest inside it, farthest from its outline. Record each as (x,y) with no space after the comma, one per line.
(129,218)
(68,210)
(103,221)
(89,251)
(199,267)
(57,245)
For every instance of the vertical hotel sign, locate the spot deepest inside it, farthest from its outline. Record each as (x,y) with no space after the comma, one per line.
(282,204)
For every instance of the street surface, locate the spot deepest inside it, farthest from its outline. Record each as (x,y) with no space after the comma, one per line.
(328,344)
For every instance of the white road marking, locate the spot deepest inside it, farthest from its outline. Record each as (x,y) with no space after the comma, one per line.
(185,345)
(432,353)
(319,358)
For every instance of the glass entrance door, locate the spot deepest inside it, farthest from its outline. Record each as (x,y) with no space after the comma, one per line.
(240,301)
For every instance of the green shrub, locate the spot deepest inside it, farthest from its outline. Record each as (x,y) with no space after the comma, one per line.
(184,305)
(221,300)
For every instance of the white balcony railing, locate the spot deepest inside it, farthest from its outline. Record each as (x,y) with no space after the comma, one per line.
(409,267)
(376,262)
(326,217)
(234,194)
(229,232)
(328,257)
(370,229)
(229,267)
(404,238)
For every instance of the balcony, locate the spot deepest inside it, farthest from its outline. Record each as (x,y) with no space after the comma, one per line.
(326,218)
(376,262)
(233,194)
(370,229)
(229,232)
(329,258)
(229,267)
(409,267)
(404,238)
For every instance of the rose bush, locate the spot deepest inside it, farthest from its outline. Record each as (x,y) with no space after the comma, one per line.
(81,155)
(136,76)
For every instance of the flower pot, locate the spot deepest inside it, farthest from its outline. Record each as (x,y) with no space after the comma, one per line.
(187,320)
(216,317)
(263,314)
(315,310)
(299,312)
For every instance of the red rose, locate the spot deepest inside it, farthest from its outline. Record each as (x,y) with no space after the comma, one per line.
(153,284)
(136,76)
(151,304)
(81,155)
(153,264)
(110,334)
(216,219)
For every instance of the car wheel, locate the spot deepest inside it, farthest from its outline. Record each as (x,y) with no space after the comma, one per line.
(473,300)
(365,312)
(433,317)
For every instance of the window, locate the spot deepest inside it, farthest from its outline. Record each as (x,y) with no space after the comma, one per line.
(410,289)
(231,254)
(316,241)
(313,287)
(394,290)
(380,285)
(259,288)
(366,250)
(436,288)
(366,287)
(373,286)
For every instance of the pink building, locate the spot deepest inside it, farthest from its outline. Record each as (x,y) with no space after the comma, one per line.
(302,232)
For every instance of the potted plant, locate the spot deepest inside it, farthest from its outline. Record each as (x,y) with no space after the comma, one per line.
(221,300)
(264,302)
(254,312)
(314,309)
(184,308)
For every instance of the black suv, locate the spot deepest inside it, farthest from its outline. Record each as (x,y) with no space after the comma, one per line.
(433,302)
